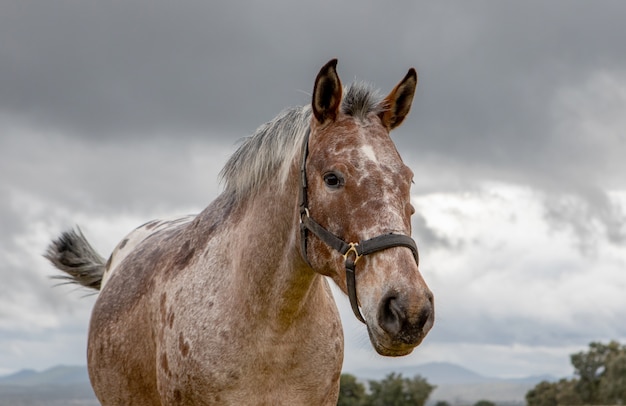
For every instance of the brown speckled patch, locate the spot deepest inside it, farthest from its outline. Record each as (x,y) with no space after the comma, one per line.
(183,345)
(150,224)
(165,364)
(163,307)
(184,255)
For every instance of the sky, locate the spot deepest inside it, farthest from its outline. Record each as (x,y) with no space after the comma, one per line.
(115,113)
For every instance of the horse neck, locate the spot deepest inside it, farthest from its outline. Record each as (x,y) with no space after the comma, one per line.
(270,270)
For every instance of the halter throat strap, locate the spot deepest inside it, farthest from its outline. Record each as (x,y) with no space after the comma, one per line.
(351,252)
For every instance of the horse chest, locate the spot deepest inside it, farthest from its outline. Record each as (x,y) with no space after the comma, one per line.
(231,370)
(203,354)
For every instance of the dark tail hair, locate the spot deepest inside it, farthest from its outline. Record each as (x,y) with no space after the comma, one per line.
(72,254)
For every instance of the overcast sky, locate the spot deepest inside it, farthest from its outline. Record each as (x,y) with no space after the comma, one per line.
(114,113)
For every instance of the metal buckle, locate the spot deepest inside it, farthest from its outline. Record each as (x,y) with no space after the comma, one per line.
(304,213)
(353,248)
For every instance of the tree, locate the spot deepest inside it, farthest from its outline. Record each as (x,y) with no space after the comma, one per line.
(601,379)
(395,390)
(351,392)
(567,393)
(612,386)
(418,390)
(590,367)
(484,403)
(543,394)
(547,393)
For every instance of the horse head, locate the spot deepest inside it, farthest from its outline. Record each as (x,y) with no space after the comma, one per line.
(357,190)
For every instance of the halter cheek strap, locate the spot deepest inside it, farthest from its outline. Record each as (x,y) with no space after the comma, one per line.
(351,252)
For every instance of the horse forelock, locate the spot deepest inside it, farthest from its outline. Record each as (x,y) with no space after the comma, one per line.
(267,155)
(360,100)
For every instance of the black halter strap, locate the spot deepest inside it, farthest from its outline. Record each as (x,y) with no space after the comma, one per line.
(351,252)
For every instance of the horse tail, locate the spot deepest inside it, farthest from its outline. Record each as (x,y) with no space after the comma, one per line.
(72,254)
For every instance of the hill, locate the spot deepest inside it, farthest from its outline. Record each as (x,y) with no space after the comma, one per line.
(57,386)
(58,375)
(458,385)
(444,373)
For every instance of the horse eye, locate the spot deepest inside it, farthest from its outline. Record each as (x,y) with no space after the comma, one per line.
(333,180)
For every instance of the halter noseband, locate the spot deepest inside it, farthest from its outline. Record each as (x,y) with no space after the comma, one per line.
(351,252)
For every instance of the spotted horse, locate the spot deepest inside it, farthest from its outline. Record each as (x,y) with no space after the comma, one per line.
(233,306)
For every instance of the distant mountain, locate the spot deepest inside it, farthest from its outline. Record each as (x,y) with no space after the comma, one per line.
(440,373)
(458,385)
(435,372)
(534,379)
(59,375)
(446,373)
(24,374)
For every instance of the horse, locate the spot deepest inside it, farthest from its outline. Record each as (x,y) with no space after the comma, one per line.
(233,305)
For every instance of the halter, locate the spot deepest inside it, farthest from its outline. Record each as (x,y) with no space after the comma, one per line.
(352,251)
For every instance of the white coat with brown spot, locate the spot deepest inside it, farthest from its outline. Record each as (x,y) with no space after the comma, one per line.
(222,307)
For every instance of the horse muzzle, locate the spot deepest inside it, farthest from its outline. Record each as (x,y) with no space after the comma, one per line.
(401,323)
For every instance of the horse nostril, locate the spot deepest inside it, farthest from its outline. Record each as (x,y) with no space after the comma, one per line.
(424,315)
(395,320)
(391,316)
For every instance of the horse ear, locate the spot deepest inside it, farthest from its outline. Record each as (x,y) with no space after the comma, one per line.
(327,93)
(398,103)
